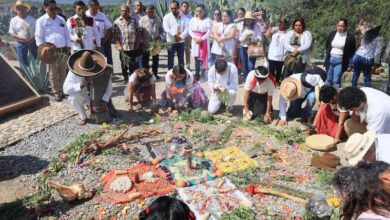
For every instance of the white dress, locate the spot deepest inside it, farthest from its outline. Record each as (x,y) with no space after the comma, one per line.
(204,26)
(229,44)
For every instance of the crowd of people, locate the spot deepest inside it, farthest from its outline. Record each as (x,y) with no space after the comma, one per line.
(225,49)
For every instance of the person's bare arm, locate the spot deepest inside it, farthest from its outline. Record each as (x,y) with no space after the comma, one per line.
(131,93)
(340,128)
(246,99)
(153,87)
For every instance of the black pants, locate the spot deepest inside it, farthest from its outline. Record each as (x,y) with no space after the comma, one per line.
(275,68)
(257,103)
(145,62)
(298,69)
(128,63)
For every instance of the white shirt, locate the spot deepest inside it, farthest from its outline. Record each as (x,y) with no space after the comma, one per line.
(371,50)
(305,42)
(369,215)
(312,79)
(189,80)
(338,44)
(255,34)
(24,27)
(204,26)
(228,80)
(276,48)
(382,147)
(133,79)
(267,86)
(102,22)
(90,33)
(73,83)
(377,113)
(53,31)
(172,26)
(229,44)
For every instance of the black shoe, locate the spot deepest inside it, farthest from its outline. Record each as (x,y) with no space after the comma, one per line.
(157,77)
(58,97)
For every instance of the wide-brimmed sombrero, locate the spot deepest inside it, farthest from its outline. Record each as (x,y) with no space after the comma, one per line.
(87,63)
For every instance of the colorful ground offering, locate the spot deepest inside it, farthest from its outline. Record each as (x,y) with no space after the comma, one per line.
(230,159)
(215,196)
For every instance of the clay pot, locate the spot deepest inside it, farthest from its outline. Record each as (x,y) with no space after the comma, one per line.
(70,193)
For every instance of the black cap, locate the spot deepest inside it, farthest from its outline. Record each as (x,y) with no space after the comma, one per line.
(93,2)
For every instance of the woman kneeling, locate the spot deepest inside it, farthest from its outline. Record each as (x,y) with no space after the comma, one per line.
(142,84)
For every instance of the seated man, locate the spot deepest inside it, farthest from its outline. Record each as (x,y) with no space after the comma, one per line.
(298,88)
(142,84)
(329,119)
(223,81)
(368,146)
(182,90)
(89,71)
(370,110)
(258,94)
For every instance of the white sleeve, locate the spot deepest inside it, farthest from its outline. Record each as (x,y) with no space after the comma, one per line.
(190,28)
(248,81)
(185,27)
(96,34)
(378,123)
(307,41)
(209,29)
(39,32)
(166,26)
(211,78)
(168,79)
(233,79)
(11,29)
(71,85)
(107,22)
(286,42)
(258,34)
(282,108)
(72,33)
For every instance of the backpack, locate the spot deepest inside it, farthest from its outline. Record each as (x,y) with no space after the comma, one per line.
(313,70)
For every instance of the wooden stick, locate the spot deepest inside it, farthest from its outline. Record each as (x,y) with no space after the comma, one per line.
(271,191)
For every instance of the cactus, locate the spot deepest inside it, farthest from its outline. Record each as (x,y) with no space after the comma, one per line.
(36,74)
(162,8)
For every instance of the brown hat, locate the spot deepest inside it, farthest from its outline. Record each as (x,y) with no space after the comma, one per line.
(21,3)
(321,142)
(291,88)
(87,63)
(327,161)
(46,53)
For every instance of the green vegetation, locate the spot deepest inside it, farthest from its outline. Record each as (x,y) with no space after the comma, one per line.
(36,74)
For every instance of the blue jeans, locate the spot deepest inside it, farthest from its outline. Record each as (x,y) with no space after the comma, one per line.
(107,51)
(334,72)
(22,49)
(295,106)
(362,64)
(179,48)
(248,64)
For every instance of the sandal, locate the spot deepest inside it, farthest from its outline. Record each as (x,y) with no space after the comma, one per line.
(82,122)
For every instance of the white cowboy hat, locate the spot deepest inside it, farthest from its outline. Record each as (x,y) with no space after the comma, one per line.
(358,145)
(291,88)
(21,3)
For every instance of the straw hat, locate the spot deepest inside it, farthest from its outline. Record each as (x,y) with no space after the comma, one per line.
(21,3)
(46,53)
(248,15)
(327,161)
(291,88)
(87,63)
(358,145)
(321,142)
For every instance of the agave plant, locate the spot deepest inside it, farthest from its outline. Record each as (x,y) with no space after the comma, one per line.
(162,8)
(36,74)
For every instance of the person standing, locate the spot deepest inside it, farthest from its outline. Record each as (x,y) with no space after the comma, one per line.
(152,25)
(367,55)
(224,34)
(104,27)
(22,28)
(127,36)
(200,29)
(184,8)
(83,30)
(176,27)
(136,12)
(276,48)
(297,45)
(262,21)
(51,28)
(340,47)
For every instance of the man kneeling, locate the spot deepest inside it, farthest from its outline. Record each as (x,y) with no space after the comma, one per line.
(89,83)
(223,81)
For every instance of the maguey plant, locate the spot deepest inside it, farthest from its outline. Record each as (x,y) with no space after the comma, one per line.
(36,74)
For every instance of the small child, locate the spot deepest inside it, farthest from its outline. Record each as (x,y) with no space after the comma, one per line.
(164,208)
